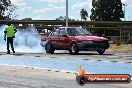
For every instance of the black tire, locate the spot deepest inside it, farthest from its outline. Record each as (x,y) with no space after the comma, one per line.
(42,44)
(74,49)
(49,48)
(101,52)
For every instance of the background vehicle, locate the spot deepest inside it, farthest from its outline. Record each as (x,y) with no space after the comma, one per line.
(74,39)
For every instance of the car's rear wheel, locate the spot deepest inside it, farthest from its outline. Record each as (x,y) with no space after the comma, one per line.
(73,49)
(101,52)
(42,44)
(49,48)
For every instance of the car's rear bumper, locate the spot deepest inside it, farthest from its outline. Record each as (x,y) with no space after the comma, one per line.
(93,46)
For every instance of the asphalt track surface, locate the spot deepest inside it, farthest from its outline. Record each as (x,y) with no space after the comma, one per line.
(20,77)
(14,77)
(67,64)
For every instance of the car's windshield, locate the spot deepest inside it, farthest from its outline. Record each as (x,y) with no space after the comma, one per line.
(77,32)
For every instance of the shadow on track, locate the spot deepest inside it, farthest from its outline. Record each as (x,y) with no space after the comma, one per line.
(18,54)
(83,53)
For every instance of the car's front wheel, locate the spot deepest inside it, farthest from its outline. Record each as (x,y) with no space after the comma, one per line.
(73,49)
(101,52)
(49,48)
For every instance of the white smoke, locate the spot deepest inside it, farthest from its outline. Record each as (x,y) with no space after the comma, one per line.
(26,40)
(2,42)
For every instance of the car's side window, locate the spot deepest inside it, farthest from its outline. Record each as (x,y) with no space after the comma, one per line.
(72,32)
(62,32)
(55,32)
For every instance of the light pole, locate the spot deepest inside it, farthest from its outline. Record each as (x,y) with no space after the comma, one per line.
(66,13)
(124,11)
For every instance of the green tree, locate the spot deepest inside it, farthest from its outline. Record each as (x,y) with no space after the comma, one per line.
(10,13)
(83,14)
(6,9)
(106,10)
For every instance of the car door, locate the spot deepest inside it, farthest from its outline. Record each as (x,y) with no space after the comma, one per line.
(63,38)
(54,38)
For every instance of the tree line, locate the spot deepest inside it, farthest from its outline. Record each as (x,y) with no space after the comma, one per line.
(102,10)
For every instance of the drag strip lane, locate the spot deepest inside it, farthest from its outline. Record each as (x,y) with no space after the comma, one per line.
(67,65)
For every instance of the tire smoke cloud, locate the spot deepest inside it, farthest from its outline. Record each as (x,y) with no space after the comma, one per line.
(27,40)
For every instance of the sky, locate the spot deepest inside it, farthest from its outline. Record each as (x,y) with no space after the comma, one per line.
(52,9)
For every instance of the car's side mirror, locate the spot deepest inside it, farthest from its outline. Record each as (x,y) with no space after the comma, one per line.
(64,36)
